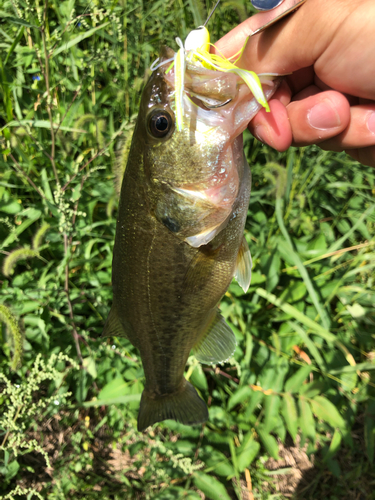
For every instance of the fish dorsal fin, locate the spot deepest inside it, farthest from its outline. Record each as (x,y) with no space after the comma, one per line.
(113,326)
(243,266)
(217,344)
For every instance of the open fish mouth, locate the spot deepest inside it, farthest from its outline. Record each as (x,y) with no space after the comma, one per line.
(215,105)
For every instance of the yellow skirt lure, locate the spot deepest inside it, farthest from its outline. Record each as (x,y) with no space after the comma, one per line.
(197,51)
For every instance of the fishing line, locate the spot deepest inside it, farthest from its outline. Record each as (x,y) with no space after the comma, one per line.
(212,11)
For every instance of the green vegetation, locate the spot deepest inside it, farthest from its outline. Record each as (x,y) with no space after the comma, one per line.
(70,82)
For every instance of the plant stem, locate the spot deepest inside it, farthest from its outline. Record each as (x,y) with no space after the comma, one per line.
(66,289)
(22,173)
(49,99)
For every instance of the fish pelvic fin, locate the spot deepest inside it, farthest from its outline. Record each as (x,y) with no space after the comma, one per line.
(218,342)
(184,406)
(113,326)
(243,266)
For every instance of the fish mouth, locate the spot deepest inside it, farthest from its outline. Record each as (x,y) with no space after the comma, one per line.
(207,103)
(220,105)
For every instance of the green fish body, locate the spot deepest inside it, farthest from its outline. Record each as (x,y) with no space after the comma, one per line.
(179,237)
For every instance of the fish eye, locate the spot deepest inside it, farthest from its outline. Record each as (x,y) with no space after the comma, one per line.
(160,123)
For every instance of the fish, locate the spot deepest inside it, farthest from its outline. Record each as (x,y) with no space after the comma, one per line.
(180,233)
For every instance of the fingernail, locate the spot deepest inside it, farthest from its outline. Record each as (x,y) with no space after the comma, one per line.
(371,123)
(323,116)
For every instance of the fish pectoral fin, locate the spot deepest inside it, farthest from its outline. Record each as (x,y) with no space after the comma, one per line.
(113,326)
(243,266)
(217,344)
(202,266)
(184,406)
(203,238)
(206,236)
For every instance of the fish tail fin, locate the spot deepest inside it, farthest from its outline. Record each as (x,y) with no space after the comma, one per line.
(185,406)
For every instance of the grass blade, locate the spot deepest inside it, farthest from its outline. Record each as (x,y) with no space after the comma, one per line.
(77,39)
(341,241)
(309,343)
(301,268)
(128,398)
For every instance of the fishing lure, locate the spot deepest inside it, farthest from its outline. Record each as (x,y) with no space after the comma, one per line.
(196,50)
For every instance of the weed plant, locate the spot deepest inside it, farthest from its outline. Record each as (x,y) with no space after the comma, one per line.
(71,75)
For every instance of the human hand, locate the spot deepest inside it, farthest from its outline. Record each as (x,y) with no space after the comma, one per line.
(329,100)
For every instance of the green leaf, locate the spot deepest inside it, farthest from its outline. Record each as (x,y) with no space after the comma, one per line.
(288,246)
(89,365)
(269,442)
(117,387)
(10,207)
(198,378)
(294,292)
(198,11)
(271,269)
(327,411)
(369,432)
(299,316)
(247,452)
(239,396)
(17,20)
(14,44)
(82,386)
(342,240)
(255,399)
(271,410)
(309,343)
(176,493)
(289,412)
(334,467)
(77,39)
(312,389)
(306,419)
(219,463)
(19,230)
(334,446)
(129,398)
(294,383)
(11,470)
(42,124)
(210,486)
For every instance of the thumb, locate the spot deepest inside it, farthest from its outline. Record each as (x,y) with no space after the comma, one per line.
(232,42)
(292,43)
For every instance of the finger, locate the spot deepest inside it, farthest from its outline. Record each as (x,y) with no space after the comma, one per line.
(360,132)
(366,156)
(233,41)
(307,92)
(292,44)
(283,93)
(318,34)
(301,79)
(273,128)
(318,117)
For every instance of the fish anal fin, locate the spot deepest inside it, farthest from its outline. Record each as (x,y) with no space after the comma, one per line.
(184,406)
(243,266)
(113,326)
(217,344)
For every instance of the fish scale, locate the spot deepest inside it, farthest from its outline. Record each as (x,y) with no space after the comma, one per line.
(179,238)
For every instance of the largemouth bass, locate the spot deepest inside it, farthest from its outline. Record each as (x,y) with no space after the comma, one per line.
(179,237)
